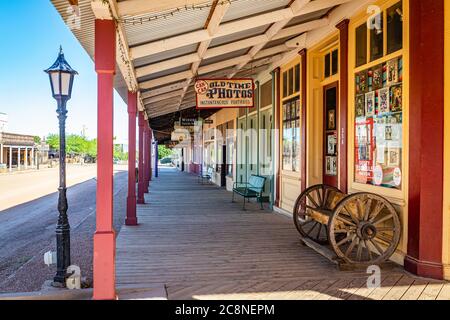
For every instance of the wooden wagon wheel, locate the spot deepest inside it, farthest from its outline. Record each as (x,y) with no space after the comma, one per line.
(315,197)
(364,229)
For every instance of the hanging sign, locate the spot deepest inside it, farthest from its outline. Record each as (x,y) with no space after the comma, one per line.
(188,122)
(225,93)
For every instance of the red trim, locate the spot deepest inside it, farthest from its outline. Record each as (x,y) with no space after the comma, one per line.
(150,134)
(426,152)
(146,157)
(303,55)
(104,238)
(224,107)
(277,130)
(131,219)
(343,104)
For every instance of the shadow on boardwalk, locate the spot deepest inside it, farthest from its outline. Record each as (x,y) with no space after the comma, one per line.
(193,240)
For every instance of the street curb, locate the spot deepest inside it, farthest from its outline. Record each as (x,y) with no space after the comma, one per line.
(124,293)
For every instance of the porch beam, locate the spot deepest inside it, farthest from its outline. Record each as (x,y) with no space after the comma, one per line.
(230,47)
(295,7)
(141,7)
(216,16)
(109,11)
(167,79)
(230,28)
(164,89)
(165,96)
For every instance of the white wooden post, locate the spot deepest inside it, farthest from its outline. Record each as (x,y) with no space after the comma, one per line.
(10,159)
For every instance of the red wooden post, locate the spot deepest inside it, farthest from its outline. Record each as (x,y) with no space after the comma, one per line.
(104,238)
(150,148)
(131,200)
(141,121)
(426,141)
(343,104)
(146,147)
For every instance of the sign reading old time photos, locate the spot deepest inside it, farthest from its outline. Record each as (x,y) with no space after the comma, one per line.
(378,124)
(224,93)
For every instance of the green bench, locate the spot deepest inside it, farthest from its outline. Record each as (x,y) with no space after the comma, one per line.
(205,176)
(251,189)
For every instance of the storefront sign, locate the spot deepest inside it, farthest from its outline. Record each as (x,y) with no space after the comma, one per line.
(208,121)
(225,93)
(188,122)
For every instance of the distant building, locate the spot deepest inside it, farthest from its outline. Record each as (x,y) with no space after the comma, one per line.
(17,152)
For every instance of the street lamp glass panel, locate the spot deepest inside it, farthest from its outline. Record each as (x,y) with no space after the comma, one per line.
(54,77)
(65,83)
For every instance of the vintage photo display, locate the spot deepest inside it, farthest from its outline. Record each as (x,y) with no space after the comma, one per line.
(379,122)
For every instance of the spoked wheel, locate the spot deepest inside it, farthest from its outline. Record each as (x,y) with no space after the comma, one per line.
(364,229)
(315,197)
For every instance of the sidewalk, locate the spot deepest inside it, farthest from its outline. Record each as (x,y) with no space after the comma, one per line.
(198,244)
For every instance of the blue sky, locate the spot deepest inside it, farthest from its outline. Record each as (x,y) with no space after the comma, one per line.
(31,32)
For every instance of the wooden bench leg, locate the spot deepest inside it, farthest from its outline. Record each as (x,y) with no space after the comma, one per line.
(261,202)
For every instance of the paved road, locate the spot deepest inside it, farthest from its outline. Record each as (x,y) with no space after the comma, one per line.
(27,227)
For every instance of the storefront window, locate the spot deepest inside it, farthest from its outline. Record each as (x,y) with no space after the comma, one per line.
(376,38)
(291,135)
(361,45)
(394,28)
(379,124)
(331,63)
(379,106)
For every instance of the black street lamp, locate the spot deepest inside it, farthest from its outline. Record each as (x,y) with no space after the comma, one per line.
(61,77)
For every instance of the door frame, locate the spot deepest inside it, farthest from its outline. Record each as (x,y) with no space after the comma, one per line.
(324,132)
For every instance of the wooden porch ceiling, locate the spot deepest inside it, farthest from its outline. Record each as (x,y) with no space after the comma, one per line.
(172,43)
(163,46)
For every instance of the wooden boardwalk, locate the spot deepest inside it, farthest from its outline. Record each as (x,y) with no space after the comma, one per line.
(193,240)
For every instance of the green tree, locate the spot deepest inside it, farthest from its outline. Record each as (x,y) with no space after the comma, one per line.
(37,139)
(164,152)
(91,149)
(53,141)
(76,144)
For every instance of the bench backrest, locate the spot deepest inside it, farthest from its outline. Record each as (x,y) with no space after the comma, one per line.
(210,171)
(256,183)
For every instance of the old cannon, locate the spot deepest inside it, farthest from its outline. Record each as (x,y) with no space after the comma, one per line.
(361,229)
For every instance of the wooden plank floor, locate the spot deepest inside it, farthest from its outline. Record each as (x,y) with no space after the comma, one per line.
(193,240)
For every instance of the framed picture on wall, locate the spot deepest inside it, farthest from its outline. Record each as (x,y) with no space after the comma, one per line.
(331,120)
(331,144)
(370,104)
(393,157)
(360,105)
(361,82)
(396,98)
(331,166)
(383,100)
(377,77)
(392,72)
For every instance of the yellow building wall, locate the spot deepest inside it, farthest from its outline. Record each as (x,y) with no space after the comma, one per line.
(446,205)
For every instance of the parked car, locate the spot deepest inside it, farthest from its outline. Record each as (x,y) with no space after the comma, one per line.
(53,154)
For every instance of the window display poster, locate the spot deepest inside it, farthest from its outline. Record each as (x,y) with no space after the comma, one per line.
(383,100)
(396,95)
(331,144)
(392,72)
(370,104)
(331,166)
(377,77)
(360,105)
